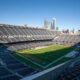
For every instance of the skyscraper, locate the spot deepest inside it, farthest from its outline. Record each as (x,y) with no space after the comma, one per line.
(53,24)
(46,24)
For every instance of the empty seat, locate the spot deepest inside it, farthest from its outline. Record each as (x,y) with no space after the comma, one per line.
(4,72)
(13,77)
(26,71)
(16,66)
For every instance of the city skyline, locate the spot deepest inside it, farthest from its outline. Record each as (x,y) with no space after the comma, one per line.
(33,12)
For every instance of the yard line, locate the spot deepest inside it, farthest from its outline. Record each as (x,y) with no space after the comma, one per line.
(31,61)
(57,60)
(53,62)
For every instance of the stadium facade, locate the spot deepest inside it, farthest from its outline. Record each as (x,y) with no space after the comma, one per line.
(14,38)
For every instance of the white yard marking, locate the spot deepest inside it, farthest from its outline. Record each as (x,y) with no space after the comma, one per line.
(31,61)
(45,65)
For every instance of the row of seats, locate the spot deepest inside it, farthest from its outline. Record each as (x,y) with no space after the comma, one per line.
(9,33)
(67,39)
(5,74)
(28,45)
(72,73)
(11,68)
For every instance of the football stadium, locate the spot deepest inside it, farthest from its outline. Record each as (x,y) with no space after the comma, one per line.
(28,53)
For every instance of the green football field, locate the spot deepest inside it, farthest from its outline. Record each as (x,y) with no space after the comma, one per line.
(44,57)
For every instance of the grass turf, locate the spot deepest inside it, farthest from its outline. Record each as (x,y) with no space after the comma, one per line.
(44,56)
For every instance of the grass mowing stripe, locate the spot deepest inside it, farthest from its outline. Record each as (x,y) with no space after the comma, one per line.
(46,55)
(29,63)
(64,59)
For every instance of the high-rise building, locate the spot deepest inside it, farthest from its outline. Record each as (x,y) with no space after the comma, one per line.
(46,24)
(53,24)
(78,30)
(73,30)
(57,28)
